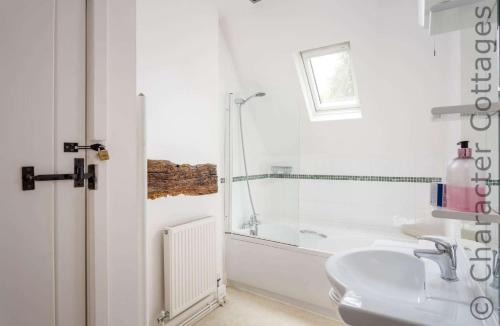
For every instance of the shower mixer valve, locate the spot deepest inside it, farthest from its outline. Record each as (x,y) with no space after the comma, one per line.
(252,224)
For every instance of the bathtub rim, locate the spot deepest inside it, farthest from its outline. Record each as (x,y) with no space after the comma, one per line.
(275,244)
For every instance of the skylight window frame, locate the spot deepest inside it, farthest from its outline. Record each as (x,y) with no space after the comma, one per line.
(349,109)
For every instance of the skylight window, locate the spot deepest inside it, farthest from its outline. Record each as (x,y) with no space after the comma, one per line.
(328,83)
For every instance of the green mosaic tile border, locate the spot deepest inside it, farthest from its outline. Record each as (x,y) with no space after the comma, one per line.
(356,178)
(338,178)
(494,182)
(366,178)
(250,177)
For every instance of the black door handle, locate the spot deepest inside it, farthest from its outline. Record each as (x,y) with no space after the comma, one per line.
(79,176)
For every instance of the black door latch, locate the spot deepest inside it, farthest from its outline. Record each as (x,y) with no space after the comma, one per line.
(74,147)
(102,152)
(79,176)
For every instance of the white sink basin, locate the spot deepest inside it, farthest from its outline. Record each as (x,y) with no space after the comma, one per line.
(371,266)
(387,285)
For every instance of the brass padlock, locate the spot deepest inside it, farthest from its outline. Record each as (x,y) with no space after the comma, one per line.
(102,154)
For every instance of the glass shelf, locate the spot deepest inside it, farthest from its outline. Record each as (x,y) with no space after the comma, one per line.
(494,217)
(463,109)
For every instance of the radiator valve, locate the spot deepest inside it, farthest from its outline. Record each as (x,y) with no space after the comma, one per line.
(162,317)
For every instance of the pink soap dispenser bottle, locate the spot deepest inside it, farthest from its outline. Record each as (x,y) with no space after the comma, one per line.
(462,193)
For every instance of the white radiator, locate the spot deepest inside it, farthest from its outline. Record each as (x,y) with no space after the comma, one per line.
(190,264)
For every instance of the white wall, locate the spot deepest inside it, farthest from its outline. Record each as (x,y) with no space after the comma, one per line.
(177,70)
(400,80)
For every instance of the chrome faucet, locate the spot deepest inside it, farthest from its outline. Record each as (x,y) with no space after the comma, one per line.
(252,224)
(445,256)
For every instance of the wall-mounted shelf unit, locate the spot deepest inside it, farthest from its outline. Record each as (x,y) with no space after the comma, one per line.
(443,16)
(494,217)
(463,109)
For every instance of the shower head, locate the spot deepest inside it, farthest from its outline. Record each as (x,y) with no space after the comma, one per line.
(242,101)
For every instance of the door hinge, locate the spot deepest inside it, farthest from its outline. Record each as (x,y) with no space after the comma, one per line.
(79,176)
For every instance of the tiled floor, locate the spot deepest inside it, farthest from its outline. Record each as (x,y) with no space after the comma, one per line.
(246,309)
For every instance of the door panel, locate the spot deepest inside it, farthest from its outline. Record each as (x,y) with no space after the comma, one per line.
(70,125)
(42,104)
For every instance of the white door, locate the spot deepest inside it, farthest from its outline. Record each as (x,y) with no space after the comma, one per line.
(42,105)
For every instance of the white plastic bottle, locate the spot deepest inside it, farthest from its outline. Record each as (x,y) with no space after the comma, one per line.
(462,192)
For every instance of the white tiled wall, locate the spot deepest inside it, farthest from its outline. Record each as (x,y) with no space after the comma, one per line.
(358,203)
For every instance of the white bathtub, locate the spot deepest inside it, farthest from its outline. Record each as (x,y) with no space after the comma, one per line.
(287,273)
(330,239)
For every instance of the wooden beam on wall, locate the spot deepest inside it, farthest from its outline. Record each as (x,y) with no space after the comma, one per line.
(169,179)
